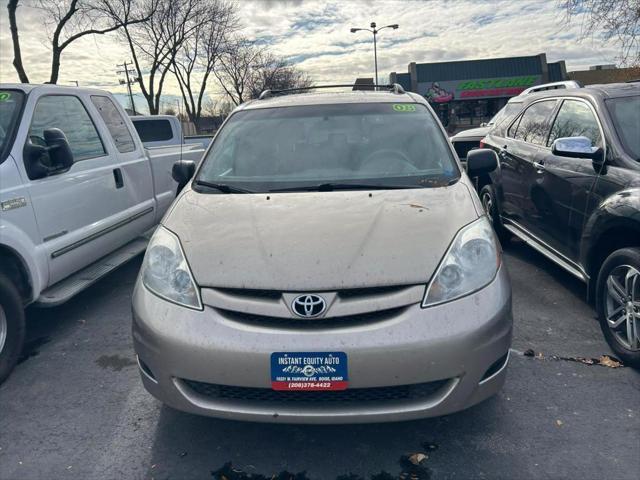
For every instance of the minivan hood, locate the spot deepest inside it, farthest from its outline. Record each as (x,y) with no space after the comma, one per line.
(479,132)
(319,241)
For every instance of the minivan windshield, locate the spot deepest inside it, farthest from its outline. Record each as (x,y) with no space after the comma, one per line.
(10,106)
(625,112)
(364,145)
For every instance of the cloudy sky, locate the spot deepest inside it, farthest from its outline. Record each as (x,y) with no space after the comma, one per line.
(315,35)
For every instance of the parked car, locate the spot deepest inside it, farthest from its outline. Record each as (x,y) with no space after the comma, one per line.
(569,186)
(467,140)
(157,131)
(470,139)
(314,271)
(78,191)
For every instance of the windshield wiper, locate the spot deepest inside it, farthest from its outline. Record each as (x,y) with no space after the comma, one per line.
(329,187)
(223,187)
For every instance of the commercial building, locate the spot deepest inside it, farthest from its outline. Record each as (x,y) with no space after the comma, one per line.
(477,89)
(605,74)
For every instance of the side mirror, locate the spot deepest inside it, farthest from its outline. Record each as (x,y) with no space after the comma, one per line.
(59,149)
(480,161)
(49,155)
(182,172)
(576,147)
(484,124)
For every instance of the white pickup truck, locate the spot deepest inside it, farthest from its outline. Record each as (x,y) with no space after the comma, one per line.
(161,131)
(79,194)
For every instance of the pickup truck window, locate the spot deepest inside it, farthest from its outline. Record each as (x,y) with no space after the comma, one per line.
(115,123)
(575,119)
(67,113)
(10,106)
(154,130)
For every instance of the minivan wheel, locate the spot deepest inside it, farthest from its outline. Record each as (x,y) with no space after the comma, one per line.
(12,327)
(488,199)
(618,303)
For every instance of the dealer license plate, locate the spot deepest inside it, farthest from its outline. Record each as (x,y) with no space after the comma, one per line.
(311,371)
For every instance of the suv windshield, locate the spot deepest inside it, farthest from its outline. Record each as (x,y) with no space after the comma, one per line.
(625,112)
(377,145)
(10,106)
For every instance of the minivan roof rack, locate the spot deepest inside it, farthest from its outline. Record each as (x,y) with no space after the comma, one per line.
(393,87)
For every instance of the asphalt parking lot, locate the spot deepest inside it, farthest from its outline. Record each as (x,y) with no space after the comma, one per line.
(75,408)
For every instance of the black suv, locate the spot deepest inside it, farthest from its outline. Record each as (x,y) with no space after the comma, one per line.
(568,184)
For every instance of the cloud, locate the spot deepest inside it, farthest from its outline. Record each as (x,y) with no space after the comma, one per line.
(315,35)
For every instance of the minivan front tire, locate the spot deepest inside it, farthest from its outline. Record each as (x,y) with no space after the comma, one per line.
(618,303)
(12,326)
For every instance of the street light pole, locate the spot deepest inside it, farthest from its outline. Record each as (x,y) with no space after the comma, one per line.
(375,31)
(375,49)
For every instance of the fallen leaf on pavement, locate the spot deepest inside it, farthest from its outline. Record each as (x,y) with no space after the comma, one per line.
(607,361)
(559,423)
(417,458)
(529,353)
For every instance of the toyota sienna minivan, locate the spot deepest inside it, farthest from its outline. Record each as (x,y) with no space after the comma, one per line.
(328,262)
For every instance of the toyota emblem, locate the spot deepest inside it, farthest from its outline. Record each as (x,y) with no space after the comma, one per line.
(308,306)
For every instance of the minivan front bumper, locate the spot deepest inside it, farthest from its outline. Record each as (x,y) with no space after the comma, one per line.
(422,362)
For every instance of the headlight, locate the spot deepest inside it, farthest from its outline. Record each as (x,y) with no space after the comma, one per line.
(471,262)
(166,273)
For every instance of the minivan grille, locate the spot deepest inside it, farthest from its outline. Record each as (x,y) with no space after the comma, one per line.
(420,391)
(295,322)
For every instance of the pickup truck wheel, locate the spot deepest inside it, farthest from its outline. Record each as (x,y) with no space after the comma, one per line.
(12,327)
(488,199)
(618,303)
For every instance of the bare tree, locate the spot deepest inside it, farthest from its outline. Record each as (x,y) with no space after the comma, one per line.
(236,69)
(199,54)
(246,70)
(12,6)
(68,21)
(276,73)
(617,20)
(155,43)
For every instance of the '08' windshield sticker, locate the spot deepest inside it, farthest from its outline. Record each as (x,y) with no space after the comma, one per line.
(404,107)
(4,96)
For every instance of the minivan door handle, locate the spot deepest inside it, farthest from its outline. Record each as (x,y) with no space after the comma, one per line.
(117,176)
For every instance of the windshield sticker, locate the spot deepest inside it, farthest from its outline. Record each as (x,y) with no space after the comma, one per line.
(404,107)
(4,96)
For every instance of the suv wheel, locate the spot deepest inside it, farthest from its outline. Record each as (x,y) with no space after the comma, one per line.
(12,326)
(488,199)
(618,303)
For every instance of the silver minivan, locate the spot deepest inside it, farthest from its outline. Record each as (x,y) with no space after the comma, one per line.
(329,262)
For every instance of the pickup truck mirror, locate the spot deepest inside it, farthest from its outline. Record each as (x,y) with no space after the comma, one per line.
(481,160)
(49,155)
(182,172)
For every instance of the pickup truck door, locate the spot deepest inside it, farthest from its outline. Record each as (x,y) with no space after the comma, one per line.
(568,183)
(79,211)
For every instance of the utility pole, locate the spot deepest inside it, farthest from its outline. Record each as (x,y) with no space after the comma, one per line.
(128,81)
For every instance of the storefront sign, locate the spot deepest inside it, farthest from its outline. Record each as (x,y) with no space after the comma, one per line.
(442,92)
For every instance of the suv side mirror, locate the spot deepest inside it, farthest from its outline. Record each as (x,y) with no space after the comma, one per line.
(182,172)
(576,147)
(481,160)
(49,155)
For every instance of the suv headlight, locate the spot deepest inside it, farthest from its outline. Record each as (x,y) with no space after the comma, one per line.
(471,262)
(166,273)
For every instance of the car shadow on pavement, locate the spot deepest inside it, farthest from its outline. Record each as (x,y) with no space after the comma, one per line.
(190,446)
(518,250)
